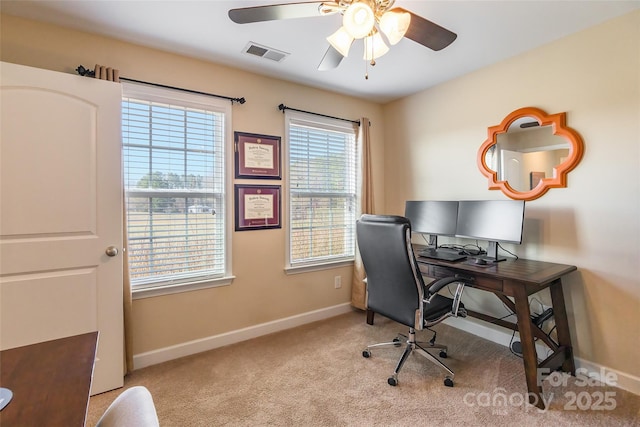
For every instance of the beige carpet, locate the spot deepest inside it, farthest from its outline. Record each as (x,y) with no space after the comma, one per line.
(315,375)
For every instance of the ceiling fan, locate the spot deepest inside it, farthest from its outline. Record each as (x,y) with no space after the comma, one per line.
(377,22)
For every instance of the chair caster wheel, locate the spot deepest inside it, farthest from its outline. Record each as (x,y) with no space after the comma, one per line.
(366,354)
(448,382)
(392,381)
(443,354)
(397,342)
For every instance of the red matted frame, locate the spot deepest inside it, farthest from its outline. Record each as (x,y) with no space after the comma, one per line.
(257,156)
(257,207)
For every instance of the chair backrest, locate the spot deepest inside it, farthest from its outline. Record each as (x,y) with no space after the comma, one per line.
(394,284)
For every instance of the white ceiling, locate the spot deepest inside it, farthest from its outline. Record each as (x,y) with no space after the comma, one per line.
(488,32)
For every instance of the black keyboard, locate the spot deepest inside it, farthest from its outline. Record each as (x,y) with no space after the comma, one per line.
(441,255)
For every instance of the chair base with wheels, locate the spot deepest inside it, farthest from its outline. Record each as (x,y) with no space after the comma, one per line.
(411,346)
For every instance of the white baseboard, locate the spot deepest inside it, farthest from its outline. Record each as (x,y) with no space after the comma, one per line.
(610,376)
(192,347)
(600,373)
(588,369)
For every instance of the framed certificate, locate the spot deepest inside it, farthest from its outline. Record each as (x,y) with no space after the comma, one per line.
(257,207)
(257,156)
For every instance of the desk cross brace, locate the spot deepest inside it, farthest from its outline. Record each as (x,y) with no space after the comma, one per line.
(539,333)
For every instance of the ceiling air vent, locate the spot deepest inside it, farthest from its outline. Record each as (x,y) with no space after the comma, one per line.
(265,52)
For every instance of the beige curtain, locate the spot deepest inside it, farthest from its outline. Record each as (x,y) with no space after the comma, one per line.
(358,286)
(126,294)
(111,74)
(106,73)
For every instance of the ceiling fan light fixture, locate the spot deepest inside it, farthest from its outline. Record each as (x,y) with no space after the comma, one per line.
(358,20)
(374,47)
(341,41)
(394,25)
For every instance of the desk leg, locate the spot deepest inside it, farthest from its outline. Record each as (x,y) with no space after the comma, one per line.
(562,325)
(529,356)
(370,315)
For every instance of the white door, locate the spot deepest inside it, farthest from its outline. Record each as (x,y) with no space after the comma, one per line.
(60,208)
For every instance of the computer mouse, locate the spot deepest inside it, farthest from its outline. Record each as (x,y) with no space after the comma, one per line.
(480,261)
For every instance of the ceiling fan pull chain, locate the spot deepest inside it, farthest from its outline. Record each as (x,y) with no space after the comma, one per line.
(373,59)
(373,63)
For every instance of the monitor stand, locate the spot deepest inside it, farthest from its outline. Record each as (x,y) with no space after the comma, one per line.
(432,245)
(492,253)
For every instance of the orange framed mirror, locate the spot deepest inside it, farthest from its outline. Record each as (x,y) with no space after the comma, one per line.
(529,153)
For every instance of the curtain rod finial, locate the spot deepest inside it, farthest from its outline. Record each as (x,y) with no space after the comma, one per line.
(84,72)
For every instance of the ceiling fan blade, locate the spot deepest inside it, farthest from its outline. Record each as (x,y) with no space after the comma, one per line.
(274,12)
(427,33)
(330,60)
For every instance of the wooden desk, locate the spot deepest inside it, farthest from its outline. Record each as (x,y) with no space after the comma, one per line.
(50,382)
(518,279)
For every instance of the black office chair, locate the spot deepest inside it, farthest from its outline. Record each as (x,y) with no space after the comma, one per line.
(397,290)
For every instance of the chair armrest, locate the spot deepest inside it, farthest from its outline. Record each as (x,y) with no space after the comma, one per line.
(457,308)
(435,286)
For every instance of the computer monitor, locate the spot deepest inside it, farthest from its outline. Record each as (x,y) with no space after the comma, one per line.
(432,217)
(491,220)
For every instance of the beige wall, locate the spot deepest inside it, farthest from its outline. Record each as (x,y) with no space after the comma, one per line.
(431,142)
(261,292)
(428,142)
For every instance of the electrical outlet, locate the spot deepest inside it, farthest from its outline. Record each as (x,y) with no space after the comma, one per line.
(337,282)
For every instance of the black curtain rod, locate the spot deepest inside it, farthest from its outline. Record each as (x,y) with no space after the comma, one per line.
(90,73)
(238,100)
(283,107)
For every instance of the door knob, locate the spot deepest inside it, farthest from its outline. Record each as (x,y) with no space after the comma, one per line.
(111,251)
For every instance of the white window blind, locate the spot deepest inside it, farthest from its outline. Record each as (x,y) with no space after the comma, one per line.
(322,168)
(174,178)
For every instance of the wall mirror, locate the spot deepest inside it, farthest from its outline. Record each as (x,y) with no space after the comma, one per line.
(529,153)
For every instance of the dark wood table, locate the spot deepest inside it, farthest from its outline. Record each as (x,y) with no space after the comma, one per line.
(518,279)
(50,382)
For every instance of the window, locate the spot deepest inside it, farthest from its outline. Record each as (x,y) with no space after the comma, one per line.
(175,169)
(322,190)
